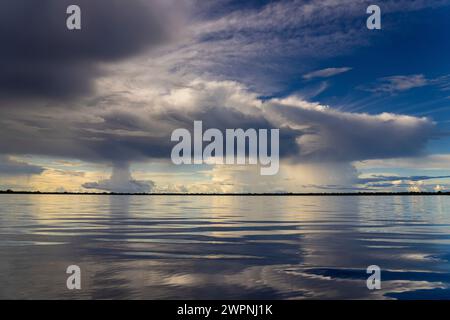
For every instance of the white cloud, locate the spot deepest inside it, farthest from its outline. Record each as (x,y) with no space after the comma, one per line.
(332,135)
(400,83)
(325,73)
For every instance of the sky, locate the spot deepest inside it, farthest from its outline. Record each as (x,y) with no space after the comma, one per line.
(93,110)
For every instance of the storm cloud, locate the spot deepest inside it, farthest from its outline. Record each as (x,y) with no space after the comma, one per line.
(40,57)
(141,132)
(121,181)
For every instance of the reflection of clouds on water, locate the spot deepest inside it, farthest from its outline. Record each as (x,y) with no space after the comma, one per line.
(224,247)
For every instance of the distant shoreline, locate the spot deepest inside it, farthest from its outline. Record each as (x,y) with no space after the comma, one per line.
(10,192)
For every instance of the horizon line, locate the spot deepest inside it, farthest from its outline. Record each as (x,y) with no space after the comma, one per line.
(363,193)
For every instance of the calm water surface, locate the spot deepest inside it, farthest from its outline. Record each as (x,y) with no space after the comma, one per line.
(178,247)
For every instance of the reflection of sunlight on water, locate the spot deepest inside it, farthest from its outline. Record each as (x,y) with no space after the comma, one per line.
(223,247)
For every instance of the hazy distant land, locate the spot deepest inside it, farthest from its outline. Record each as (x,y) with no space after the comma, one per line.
(439,193)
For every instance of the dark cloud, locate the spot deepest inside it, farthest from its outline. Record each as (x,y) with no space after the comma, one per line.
(124,136)
(41,57)
(229,118)
(13,167)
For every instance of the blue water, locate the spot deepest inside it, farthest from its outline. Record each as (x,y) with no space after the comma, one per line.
(179,247)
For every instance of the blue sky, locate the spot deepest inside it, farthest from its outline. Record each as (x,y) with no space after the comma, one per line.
(88,111)
(410,43)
